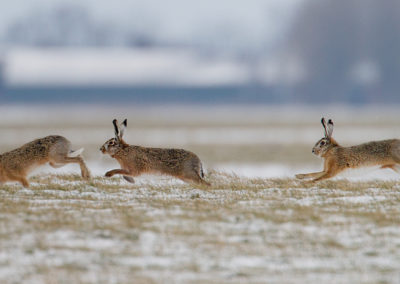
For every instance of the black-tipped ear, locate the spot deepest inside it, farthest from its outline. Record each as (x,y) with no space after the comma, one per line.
(122,128)
(116,130)
(330,128)
(323,122)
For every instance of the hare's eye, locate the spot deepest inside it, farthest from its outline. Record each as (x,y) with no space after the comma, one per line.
(322,143)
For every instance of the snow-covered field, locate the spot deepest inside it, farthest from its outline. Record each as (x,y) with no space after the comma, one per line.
(255,224)
(241,230)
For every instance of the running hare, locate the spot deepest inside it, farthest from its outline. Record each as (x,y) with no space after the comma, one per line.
(137,160)
(384,153)
(17,164)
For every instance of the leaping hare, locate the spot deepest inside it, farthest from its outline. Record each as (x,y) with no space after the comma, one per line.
(385,153)
(137,160)
(56,150)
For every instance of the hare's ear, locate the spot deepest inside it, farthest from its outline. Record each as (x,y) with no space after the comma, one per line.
(330,128)
(323,122)
(116,130)
(122,128)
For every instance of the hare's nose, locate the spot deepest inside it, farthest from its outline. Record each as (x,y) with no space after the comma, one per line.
(313,151)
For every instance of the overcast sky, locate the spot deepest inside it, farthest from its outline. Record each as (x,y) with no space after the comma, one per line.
(250,22)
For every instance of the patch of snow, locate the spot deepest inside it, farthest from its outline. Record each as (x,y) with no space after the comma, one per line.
(361,199)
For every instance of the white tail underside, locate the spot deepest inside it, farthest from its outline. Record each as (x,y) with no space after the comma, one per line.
(75,153)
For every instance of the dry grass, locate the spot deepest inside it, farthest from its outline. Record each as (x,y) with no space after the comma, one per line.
(64,230)
(240,230)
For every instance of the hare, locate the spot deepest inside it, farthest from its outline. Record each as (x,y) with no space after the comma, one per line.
(137,160)
(56,150)
(385,153)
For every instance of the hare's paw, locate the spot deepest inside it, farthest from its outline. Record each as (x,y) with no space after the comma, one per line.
(301,176)
(86,175)
(129,179)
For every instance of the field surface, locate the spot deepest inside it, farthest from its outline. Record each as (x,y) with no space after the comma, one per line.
(255,224)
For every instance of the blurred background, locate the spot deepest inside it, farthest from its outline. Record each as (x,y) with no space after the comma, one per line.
(242,82)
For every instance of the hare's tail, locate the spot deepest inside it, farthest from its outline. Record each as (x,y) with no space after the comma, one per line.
(202,180)
(201,171)
(75,153)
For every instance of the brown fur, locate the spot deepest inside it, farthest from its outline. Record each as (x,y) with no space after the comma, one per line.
(137,160)
(17,164)
(385,153)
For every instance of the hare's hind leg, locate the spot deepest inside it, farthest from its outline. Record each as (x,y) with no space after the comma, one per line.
(193,172)
(129,179)
(194,177)
(60,154)
(202,181)
(396,158)
(68,160)
(395,167)
(196,180)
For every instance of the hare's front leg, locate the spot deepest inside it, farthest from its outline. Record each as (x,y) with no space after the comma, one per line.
(310,175)
(331,169)
(126,174)
(117,172)
(317,176)
(325,175)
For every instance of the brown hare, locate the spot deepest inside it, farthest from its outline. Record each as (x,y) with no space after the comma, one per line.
(56,150)
(137,160)
(384,153)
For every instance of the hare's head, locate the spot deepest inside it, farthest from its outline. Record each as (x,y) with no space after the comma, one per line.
(327,142)
(114,144)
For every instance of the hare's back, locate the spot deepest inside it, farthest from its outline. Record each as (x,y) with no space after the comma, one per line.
(39,146)
(173,161)
(167,154)
(383,146)
(35,151)
(49,144)
(164,158)
(375,151)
